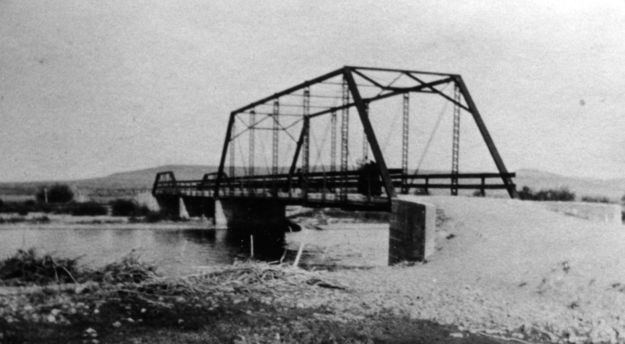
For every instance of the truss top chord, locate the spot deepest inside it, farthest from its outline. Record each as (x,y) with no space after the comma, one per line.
(341,84)
(270,113)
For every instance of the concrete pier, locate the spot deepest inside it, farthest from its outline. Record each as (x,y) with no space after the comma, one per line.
(412,226)
(186,206)
(267,215)
(169,205)
(264,220)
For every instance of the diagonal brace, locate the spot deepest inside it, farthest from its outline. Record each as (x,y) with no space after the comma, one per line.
(373,141)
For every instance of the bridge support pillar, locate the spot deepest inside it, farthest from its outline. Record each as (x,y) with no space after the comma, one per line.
(168,205)
(182,209)
(219,219)
(264,219)
(186,206)
(412,226)
(267,215)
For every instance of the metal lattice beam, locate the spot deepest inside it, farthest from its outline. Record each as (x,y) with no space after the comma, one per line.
(306,143)
(365,142)
(232,152)
(405,130)
(455,145)
(344,133)
(306,112)
(275,139)
(251,148)
(333,142)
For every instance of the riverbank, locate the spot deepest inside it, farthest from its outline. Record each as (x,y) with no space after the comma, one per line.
(48,220)
(502,269)
(510,267)
(245,303)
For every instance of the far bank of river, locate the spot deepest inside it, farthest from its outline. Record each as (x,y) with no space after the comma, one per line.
(177,248)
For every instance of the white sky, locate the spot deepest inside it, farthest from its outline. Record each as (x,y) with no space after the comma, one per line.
(92,87)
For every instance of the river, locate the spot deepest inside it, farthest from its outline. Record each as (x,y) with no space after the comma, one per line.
(173,250)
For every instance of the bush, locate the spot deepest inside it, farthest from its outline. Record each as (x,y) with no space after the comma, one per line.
(561,194)
(128,270)
(27,267)
(126,207)
(155,216)
(22,210)
(88,209)
(596,199)
(58,193)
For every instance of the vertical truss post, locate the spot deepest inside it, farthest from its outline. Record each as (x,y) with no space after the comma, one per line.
(365,143)
(486,136)
(306,143)
(275,137)
(333,141)
(455,145)
(405,129)
(252,149)
(224,152)
(373,141)
(344,135)
(231,154)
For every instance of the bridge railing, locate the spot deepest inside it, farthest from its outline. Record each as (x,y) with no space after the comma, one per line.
(324,186)
(475,181)
(289,186)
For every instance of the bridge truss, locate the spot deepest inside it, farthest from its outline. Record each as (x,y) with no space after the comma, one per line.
(289,115)
(316,143)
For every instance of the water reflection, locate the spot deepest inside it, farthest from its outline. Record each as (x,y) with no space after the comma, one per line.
(175,251)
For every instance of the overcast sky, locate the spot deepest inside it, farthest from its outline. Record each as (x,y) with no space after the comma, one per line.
(93,87)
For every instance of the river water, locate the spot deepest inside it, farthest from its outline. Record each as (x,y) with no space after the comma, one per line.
(174,251)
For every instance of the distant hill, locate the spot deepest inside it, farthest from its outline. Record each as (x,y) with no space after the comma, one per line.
(124,184)
(143,179)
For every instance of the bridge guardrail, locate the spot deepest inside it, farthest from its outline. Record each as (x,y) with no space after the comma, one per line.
(324,183)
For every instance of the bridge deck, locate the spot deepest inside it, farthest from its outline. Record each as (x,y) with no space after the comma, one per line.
(322,189)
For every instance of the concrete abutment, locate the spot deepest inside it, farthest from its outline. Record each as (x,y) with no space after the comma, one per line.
(411,230)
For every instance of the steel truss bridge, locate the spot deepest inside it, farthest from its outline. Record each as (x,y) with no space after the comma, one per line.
(341,107)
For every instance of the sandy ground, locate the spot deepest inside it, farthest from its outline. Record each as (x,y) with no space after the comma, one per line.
(502,266)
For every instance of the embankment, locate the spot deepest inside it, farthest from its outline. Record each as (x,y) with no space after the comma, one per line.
(505,266)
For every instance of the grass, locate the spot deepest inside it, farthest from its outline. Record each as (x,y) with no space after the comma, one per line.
(129,269)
